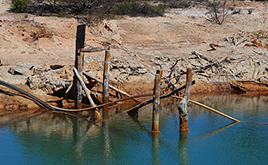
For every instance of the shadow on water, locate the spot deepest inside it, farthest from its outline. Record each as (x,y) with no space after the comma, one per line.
(69,138)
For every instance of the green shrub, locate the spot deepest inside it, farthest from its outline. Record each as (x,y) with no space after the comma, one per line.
(19,6)
(179,3)
(145,9)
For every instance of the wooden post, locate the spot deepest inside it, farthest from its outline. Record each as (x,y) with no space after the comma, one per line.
(106,76)
(79,63)
(156,101)
(183,104)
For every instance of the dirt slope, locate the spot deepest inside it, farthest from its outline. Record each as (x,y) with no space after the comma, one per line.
(139,45)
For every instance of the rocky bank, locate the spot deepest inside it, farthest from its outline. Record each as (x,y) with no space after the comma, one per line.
(37,53)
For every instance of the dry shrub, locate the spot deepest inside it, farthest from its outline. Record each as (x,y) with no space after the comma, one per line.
(217,11)
(41,32)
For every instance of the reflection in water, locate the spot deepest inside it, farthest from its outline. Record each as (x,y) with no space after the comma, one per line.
(68,138)
(107,147)
(155,148)
(183,147)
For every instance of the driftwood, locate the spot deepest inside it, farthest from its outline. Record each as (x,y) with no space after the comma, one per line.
(213,46)
(200,56)
(161,97)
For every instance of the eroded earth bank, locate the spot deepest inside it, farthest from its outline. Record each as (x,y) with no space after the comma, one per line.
(37,53)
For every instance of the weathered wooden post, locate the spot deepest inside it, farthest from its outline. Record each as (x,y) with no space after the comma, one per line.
(156,101)
(106,76)
(79,63)
(183,112)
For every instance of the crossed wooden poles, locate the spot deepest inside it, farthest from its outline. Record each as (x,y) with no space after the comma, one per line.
(79,85)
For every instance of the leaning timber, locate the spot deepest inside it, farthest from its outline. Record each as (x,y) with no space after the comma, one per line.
(209,108)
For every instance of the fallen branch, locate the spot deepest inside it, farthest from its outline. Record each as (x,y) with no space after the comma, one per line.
(200,56)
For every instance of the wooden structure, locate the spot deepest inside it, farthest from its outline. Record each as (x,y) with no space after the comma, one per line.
(79,86)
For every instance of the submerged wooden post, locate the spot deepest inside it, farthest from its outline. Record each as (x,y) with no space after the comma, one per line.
(106,76)
(156,101)
(79,63)
(183,112)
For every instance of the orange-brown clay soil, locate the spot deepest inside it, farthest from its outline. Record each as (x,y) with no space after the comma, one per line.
(35,46)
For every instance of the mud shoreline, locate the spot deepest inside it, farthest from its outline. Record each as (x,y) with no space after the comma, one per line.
(39,52)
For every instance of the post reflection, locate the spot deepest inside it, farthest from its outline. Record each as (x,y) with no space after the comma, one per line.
(182,146)
(106,143)
(155,148)
(70,138)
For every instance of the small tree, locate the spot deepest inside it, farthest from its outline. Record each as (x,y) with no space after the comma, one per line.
(217,11)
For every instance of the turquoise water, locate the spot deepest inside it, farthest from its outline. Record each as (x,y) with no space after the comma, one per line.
(62,138)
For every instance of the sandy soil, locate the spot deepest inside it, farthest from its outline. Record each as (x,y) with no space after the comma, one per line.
(144,42)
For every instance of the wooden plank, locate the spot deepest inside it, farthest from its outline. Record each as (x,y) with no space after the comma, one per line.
(79,63)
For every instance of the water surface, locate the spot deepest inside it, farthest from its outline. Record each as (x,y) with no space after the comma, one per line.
(62,138)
